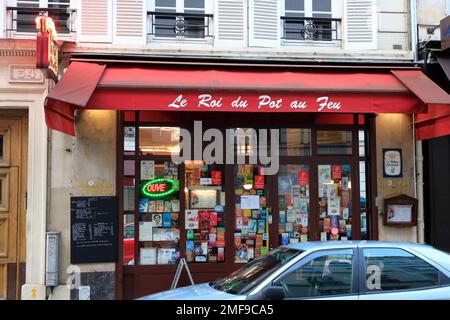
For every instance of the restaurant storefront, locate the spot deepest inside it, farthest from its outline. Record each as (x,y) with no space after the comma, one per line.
(192,181)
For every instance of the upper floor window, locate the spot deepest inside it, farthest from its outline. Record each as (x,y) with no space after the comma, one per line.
(22,17)
(179,18)
(309,20)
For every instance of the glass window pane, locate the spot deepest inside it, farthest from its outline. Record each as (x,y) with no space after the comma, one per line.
(194,3)
(164,26)
(362,143)
(334,142)
(322,5)
(296,5)
(159,140)
(295,142)
(250,194)
(128,239)
(395,269)
(129,185)
(205,214)
(165,3)
(327,275)
(159,208)
(293,203)
(335,202)
(129,140)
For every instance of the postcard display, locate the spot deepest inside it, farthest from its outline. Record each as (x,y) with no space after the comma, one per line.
(205,214)
(335,206)
(159,208)
(293,203)
(251,213)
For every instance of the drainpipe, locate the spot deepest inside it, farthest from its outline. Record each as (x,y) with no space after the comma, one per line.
(420,193)
(414,36)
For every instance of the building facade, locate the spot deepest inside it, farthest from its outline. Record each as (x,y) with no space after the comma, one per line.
(329,81)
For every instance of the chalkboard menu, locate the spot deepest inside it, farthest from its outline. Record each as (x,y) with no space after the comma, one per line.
(93,229)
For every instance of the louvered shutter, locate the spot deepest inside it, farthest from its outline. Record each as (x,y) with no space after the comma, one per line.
(264,23)
(230,23)
(95,21)
(360,24)
(130,21)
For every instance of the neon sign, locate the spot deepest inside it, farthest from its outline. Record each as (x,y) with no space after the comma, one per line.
(158,188)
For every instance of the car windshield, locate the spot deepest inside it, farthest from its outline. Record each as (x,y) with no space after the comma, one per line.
(252,273)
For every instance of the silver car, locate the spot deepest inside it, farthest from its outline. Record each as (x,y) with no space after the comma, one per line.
(350,270)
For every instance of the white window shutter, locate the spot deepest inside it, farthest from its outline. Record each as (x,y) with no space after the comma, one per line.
(360,24)
(95,21)
(129,24)
(230,23)
(264,23)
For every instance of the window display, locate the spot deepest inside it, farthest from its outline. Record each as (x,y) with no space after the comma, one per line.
(293,203)
(159,208)
(251,223)
(335,204)
(205,213)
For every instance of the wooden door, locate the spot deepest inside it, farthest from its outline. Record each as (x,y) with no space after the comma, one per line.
(13,127)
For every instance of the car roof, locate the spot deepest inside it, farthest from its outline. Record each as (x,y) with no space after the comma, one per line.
(323,245)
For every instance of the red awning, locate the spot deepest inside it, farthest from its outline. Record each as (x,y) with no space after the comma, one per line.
(92,86)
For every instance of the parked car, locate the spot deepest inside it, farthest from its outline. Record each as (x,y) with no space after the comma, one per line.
(349,270)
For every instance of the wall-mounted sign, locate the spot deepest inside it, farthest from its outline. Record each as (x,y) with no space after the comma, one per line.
(445,33)
(400,211)
(46,47)
(159,188)
(392,163)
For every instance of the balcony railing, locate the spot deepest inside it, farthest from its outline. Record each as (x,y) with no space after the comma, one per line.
(22,19)
(174,25)
(312,29)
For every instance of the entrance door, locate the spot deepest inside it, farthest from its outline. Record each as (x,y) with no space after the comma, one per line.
(12,203)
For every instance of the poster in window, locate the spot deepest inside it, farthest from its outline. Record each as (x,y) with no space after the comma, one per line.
(392,163)
(203,198)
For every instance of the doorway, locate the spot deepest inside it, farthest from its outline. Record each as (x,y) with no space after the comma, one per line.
(13,179)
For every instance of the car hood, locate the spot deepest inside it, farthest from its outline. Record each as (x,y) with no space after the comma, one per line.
(195,292)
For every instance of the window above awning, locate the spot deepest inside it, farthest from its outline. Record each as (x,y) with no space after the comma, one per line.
(87,85)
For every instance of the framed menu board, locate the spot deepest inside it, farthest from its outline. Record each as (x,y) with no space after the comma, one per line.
(93,236)
(400,211)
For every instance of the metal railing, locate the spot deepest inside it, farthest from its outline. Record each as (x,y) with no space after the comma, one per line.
(21,19)
(312,29)
(173,25)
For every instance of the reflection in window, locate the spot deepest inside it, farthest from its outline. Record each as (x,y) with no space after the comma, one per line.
(128,239)
(159,140)
(361,143)
(334,142)
(295,142)
(396,269)
(324,276)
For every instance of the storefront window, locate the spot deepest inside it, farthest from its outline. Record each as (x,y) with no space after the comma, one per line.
(159,208)
(295,142)
(293,203)
(128,185)
(334,142)
(251,224)
(335,204)
(129,140)
(363,198)
(161,141)
(205,212)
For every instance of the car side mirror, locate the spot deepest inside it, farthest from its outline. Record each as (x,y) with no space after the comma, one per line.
(274,293)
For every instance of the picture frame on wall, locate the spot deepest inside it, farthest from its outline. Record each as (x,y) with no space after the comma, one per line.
(392,163)
(400,211)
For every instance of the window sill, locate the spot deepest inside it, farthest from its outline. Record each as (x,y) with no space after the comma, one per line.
(311,43)
(179,40)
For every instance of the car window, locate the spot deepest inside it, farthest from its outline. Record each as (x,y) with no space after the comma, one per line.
(251,274)
(326,275)
(395,269)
